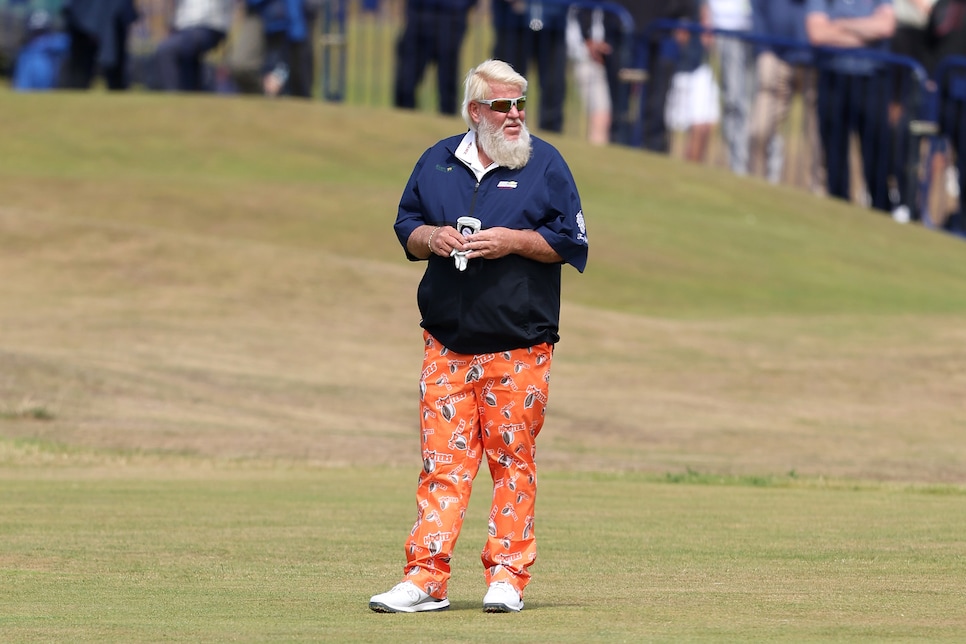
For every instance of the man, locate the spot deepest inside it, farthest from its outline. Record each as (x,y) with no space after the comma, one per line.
(537,30)
(854,91)
(490,306)
(781,71)
(434,32)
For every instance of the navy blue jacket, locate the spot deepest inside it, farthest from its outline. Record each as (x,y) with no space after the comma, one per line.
(499,304)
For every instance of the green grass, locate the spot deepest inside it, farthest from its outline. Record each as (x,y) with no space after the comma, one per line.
(219,553)
(208,353)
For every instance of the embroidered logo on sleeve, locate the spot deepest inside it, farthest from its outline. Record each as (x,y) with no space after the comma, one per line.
(506,185)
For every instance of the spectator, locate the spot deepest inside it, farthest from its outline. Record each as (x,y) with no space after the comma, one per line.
(781,72)
(735,60)
(693,103)
(947,37)
(621,50)
(853,91)
(199,26)
(39,59)
(289,49)
(98,33)
(433,32)
(528,30)
(589,73)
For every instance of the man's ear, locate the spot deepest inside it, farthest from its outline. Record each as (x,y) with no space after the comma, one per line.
(473,109)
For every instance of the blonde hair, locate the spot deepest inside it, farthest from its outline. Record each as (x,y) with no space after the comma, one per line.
(478,79)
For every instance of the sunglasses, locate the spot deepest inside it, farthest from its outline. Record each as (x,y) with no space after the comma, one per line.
(504,105)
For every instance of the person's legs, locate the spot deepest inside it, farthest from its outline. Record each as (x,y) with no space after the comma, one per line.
(301,62)
(870,104)
(953,113)
(591,79)
(512,391)
(770,107)
(737,77)
(807,80)
(200,41)
(452,451)
(167,57)
(513,46)
(77,70)
(449,40)
(412,55)
(116,77)
(655,134)
(620,123)
(834,130)
(179,57)
(551,56)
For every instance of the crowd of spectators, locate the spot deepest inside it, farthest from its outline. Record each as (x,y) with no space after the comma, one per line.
(644,71)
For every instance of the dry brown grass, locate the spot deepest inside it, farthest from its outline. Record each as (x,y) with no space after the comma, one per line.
(135,339)
(203,313)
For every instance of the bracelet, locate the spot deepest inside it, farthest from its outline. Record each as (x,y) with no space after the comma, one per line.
(430,243)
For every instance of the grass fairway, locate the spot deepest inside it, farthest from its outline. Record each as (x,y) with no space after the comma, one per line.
(208,355)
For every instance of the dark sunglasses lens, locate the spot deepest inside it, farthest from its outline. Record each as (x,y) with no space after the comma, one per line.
(502,105)
(521,104)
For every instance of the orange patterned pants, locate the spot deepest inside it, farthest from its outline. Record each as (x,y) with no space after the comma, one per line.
(472,406)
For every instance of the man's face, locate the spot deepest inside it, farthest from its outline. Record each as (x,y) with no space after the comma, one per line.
(503,136)
(510,123)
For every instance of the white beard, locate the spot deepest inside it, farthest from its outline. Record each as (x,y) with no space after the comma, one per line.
(509,154)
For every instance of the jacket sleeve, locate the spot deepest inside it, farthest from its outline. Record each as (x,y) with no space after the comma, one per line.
(410,215)
(564,227)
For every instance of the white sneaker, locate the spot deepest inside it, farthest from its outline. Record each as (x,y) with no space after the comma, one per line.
(901,215)
(502,597)
(952,181)
(406,597)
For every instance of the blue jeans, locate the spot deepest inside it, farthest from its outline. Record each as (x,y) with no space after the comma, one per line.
(179,58)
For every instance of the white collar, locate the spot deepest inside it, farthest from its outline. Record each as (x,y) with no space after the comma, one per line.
(469,154)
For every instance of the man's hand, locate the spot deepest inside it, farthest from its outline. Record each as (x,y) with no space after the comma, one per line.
(489,243)
(493,243)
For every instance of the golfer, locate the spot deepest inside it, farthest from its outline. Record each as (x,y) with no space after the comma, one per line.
(490,306)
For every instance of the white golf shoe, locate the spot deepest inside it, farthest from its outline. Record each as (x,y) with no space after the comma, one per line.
(502,597)
(406,597)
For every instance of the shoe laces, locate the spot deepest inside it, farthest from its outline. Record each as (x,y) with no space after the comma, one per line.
(409,588)
(504,586)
